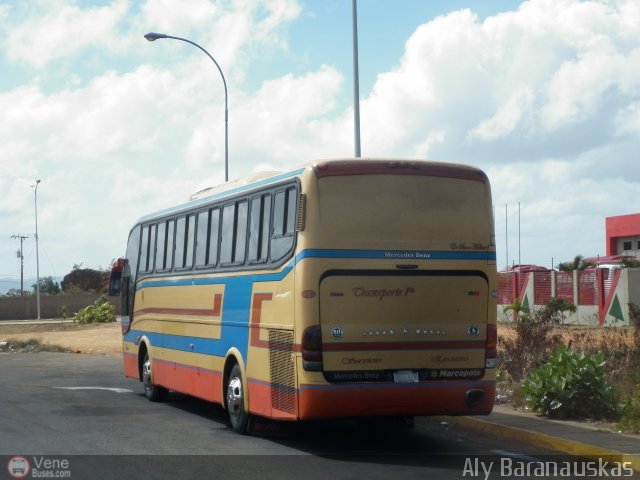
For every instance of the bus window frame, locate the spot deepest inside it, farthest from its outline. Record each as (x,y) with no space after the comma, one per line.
(226,267)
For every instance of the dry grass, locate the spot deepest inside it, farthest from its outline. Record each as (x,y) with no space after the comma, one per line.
(523,347)
(97,339)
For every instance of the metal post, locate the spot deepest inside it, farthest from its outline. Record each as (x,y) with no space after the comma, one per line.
(35,195)
(152,36)
(356,82)
(506,232)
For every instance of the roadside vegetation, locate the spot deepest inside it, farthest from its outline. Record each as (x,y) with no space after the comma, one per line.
(570,372)
(100,311)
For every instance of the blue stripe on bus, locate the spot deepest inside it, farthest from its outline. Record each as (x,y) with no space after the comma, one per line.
(202,346)
(237,298)
(322,253)
(396,254)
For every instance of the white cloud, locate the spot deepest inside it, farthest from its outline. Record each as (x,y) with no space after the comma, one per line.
(506,119)
(64,30)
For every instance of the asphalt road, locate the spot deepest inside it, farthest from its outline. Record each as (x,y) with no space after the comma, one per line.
(82,410)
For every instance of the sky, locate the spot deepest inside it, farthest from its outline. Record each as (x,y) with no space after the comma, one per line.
(543,95)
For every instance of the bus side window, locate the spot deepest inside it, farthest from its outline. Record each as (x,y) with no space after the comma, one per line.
(168,261)
(190,237)
(180,241)
(201,238)
(259,229)
(284,209)
(160,246)
(226,245)
(144,250)
(239,251)
(129,275)
(152,247)
(214,237)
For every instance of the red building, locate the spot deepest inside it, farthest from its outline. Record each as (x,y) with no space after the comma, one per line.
(623,235)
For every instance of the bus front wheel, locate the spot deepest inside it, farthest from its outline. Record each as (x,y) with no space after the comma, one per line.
(153,392)
(235,401)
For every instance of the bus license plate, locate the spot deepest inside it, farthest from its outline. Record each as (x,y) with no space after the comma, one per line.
(405,376)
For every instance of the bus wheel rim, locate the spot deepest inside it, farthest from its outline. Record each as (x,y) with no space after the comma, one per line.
(146,374)
(234,397)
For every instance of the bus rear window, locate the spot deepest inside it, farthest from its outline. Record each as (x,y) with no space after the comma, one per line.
(406,208)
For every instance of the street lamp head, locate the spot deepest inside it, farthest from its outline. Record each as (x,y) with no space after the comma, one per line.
(152,36)
(35,184)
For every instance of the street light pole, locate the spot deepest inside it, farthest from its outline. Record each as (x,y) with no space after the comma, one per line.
(152,37)
(356,81)
(35,196)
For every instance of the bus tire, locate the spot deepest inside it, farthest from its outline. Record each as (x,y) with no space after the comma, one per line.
(238,416)
(154,393)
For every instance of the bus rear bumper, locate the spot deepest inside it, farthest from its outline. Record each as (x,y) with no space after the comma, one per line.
(386,399)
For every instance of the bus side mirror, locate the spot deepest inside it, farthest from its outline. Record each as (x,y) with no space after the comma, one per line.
(115,277)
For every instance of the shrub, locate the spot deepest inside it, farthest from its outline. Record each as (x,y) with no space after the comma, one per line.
(100,311)
(571,385)
(532,342)
(630,413)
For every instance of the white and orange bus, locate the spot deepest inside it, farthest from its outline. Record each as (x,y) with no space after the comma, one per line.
(344,288)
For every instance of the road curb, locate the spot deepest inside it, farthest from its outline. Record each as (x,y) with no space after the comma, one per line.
(544,440)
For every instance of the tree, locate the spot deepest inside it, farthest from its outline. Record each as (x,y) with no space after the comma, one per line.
(629,262)
(555,309)
(48,286)
(85,280)
(15,292)
(579,263)
(520,309)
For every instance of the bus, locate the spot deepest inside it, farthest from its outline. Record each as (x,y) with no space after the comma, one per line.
(343,288)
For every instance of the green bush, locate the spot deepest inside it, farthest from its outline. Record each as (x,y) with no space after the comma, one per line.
(570,385)
(630,414)
(100,311)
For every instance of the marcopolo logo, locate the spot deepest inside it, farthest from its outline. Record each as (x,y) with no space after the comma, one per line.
(18,467)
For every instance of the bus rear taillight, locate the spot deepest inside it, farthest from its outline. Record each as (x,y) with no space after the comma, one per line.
(491,347)
(312,349)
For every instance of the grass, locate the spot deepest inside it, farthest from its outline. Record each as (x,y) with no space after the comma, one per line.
(528,344)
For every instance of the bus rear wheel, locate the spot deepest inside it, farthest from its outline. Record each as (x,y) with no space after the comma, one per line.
(154,393)
(235,401)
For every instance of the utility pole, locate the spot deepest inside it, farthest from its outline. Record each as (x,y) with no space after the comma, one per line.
(21,238)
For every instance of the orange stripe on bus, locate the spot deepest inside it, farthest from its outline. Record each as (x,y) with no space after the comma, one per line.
(200,312)
(256,313)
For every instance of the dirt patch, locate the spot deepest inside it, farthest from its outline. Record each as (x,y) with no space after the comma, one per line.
(96,339)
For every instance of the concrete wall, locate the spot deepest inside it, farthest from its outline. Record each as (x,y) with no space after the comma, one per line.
(25,308)
(608,310)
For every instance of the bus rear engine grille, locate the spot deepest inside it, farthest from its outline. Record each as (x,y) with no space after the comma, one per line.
(283,391)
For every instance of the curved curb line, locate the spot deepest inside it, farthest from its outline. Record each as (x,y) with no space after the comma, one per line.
(563,445)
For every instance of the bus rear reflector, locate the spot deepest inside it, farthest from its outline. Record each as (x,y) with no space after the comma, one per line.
(312,349)
(491,347)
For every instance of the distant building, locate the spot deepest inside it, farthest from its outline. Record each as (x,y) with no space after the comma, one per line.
(623,235)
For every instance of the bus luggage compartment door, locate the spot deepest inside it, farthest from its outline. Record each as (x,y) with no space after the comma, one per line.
(414,326)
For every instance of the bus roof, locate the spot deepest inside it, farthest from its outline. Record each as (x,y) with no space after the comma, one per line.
(342,166)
